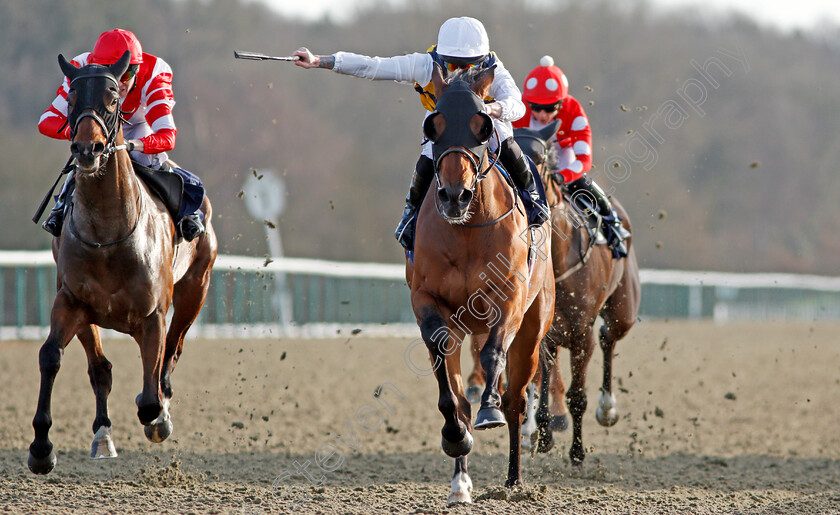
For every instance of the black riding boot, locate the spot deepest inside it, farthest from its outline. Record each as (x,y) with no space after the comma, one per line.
(615,232)
(424,172)
(192,226)
(522,174)
(55,220)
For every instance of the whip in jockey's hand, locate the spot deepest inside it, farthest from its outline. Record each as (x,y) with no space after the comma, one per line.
(461,43)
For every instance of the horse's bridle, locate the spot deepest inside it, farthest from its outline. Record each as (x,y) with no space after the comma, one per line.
(480,174)
(108,121)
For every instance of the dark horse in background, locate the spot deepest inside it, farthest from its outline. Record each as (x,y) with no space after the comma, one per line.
(588,283)
(120,266)
(471,274)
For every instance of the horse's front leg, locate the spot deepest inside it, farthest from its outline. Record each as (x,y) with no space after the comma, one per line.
(461,484)
(64,320)
(493,361)
(457,440)
(99,370)
(152,406)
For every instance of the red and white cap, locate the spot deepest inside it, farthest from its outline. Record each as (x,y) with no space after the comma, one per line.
(546,84)
(112,44)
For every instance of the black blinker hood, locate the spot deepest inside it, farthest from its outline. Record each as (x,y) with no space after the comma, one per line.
(458,105)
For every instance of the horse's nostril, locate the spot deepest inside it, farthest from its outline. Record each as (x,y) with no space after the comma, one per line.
(74,148)
(443,195)
(465,197)
(98,148)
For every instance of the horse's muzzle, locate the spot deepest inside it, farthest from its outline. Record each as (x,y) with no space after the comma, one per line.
(87,154)
(455,202)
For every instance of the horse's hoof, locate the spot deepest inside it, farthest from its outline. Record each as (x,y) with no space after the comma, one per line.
(545,442)
(473,394)
(457,449)
(42,465)
(576,455)
(489,418)
(461,490)
(527,442)
(559,422)
(607,413)
(159,431)
(102,446)
(458,498)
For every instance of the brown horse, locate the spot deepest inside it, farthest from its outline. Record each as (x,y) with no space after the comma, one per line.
(120,266)
(588,283)
(471,274)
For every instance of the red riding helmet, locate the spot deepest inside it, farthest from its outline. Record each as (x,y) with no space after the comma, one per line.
(546,84)
(112,44)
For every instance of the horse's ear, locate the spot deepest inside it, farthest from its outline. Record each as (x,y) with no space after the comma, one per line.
(433,126)
(67,68)
(483,80)
(549,130)
(482,126)
(119,68)
(437,80)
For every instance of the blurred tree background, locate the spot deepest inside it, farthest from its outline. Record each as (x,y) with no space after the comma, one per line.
(744,182)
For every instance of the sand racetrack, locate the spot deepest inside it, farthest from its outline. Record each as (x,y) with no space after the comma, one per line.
(747,422)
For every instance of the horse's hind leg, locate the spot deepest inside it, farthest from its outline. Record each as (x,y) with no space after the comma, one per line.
(619,315)
(188,298)
(559,413)
(64,321)
(476,378)
(523,358)
(548,358)
(152,407)
(99,370)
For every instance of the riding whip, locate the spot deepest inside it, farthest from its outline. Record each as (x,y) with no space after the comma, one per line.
(253,56)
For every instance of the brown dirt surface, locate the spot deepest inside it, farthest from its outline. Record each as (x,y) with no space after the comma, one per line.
(740,418)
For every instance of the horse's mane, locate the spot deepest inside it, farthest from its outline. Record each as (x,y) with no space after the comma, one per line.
(467,75)
(552,157)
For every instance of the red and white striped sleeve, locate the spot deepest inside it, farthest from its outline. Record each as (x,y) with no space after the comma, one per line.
(159,99)
(576,133)
(53,121)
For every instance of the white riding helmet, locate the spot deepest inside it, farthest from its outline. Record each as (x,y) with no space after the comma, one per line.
(463,38)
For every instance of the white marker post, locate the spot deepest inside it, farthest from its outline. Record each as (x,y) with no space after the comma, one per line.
(265,198)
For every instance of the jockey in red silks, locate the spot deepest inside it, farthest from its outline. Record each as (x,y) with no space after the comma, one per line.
(547,99)
(147,101)
(462,43)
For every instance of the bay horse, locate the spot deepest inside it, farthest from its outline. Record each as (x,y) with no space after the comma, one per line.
(120,266)
(471,274)
(588,283)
